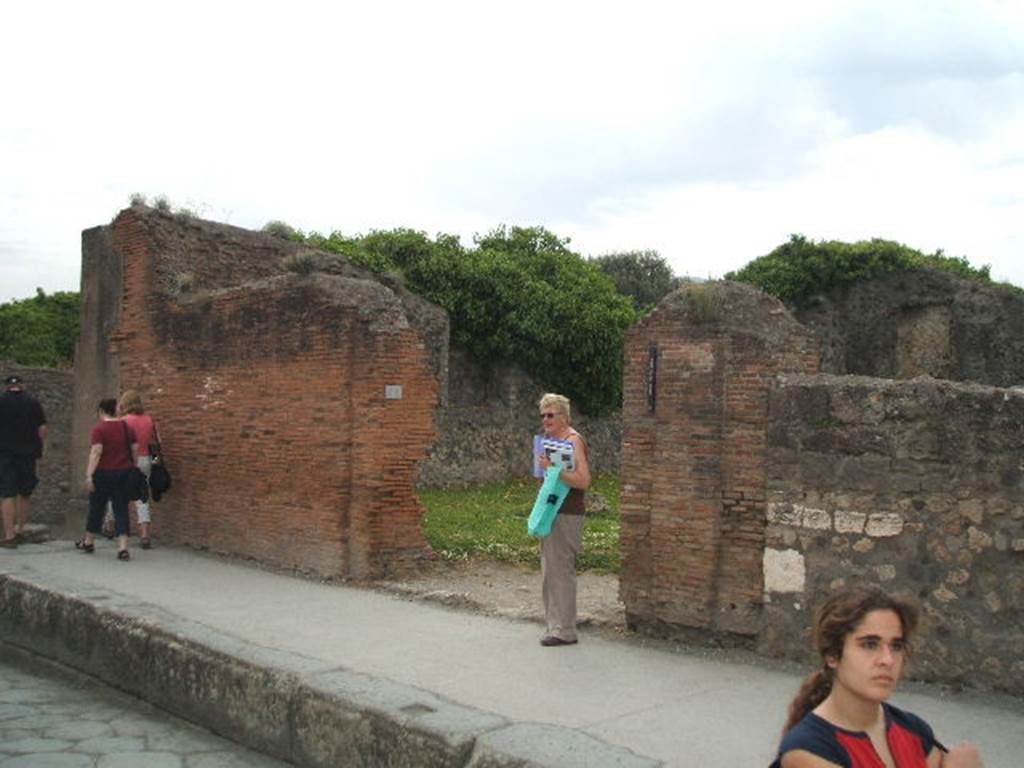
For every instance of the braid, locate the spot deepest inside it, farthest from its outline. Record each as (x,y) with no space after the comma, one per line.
(814,690)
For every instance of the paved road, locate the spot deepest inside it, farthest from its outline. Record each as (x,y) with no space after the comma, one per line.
(52,718)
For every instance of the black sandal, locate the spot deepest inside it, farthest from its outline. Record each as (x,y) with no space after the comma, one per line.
(123,555)
(86,548)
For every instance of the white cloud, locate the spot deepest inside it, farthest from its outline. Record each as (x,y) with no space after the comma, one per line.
(709,132)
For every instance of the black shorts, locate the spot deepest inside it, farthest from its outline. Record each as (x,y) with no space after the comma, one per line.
(17,475)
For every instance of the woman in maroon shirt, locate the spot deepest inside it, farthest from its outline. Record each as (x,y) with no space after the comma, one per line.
(111,458)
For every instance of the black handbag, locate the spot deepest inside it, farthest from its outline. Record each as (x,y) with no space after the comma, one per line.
(135,484)
(159,476)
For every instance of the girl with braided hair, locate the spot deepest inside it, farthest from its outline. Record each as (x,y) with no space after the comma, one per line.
(840,716)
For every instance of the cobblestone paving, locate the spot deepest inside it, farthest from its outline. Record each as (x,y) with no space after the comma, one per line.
(55,718)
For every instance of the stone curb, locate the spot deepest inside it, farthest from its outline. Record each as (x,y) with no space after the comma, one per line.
(292,707)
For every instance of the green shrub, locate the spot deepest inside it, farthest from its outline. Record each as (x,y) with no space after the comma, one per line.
(801,268)
(301,263)
(520,294)
(704,302)
(41,330)
(281,229)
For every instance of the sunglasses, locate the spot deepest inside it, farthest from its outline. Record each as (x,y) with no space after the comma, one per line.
(549,415)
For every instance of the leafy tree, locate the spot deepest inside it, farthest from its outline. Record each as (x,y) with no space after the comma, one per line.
(41,330)
(644,275)
(801,268)
(520,294)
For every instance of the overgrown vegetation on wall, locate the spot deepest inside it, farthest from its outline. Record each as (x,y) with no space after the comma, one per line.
(520,294)
(801,268)
(41,330)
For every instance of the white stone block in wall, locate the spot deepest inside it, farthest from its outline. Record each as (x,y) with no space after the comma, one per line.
(816,519)
(784,570)
(883,524)
(850,522)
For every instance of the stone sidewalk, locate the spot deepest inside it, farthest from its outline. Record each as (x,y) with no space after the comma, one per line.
(321,674)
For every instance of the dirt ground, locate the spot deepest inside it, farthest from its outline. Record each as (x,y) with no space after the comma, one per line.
(512,591)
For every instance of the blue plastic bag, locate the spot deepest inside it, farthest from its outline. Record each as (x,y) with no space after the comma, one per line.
(549,500)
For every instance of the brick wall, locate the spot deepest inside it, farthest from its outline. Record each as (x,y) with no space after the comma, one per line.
(698,372)
(917,486)
(270,395)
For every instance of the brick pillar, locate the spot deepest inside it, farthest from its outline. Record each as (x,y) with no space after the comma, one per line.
(698,371)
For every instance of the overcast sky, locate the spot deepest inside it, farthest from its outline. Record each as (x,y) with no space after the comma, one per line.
(707,131)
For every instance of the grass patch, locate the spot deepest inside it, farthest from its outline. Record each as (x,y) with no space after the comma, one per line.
(489,521)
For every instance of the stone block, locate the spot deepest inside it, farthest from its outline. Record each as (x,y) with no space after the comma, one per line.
(972,509)
(885,572)
(884,524)
(346,718)
(815,519)
(784,571)
(978,539)
(848,521)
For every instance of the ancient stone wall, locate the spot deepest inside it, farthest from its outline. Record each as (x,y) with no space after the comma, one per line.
(736,449)
(293,409)
(54,497)
(925,322)
(917,486)
(698,372)
(485,429)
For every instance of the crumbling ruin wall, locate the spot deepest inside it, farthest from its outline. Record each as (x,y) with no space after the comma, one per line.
(698,372)
(917,486)
(926,322)
(485,428)
(733,444)
(293,409)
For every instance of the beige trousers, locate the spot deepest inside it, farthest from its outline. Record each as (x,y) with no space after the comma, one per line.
(558,551)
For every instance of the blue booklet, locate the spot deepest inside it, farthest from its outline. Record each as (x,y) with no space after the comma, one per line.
(561,453)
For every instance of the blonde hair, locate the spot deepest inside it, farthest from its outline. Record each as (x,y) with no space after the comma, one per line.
(131,402)
(559,401)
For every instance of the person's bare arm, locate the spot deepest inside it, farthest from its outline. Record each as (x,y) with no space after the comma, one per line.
(579,477)
(963,755)
(95,452)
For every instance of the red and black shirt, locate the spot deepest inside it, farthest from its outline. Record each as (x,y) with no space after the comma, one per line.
(910,741)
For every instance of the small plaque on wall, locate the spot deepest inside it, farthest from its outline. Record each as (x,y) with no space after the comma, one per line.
(392,391)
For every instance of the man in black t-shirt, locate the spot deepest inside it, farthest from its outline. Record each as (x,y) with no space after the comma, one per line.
(22,434)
